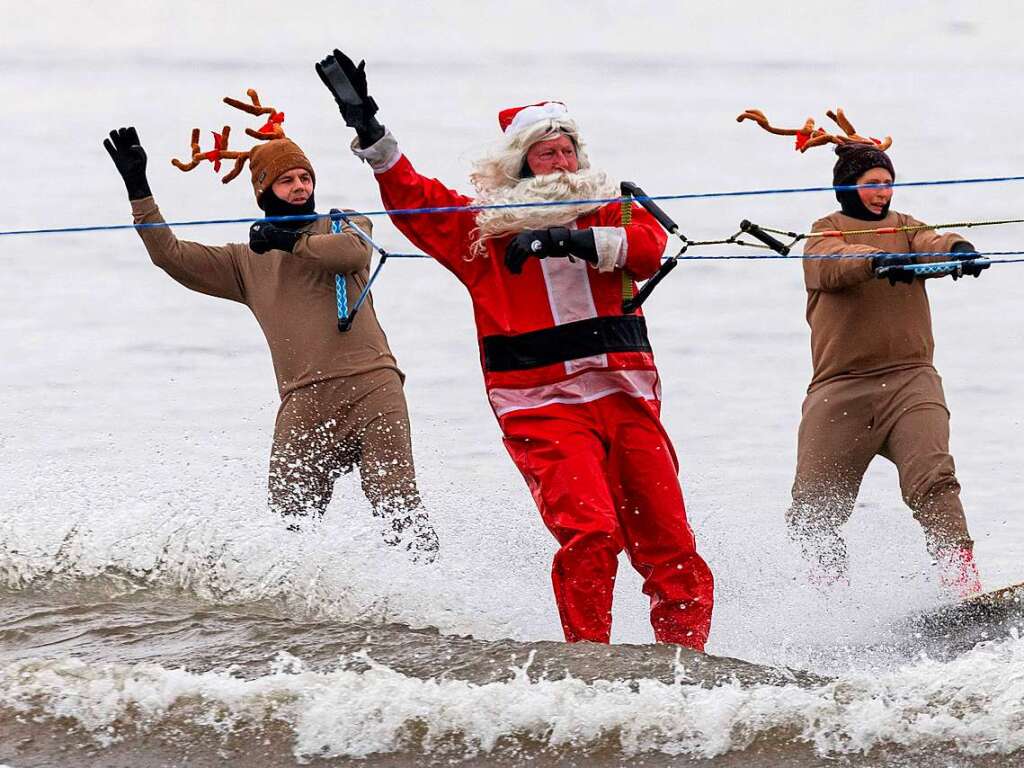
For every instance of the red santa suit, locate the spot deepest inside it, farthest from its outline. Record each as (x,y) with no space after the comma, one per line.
(573,384)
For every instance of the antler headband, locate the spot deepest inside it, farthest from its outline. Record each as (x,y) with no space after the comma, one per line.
(808,136)
(269,131)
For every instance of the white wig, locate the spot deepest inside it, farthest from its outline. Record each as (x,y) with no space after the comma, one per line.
(497,180)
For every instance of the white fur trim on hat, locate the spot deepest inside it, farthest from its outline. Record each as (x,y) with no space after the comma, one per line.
(527,116)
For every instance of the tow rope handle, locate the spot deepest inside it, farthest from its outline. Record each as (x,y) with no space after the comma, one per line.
(629,189)
(933,269)
(759,234)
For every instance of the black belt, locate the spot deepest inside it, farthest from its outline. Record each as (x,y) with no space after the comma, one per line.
(571,341)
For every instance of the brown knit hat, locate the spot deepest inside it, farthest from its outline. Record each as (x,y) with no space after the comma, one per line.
(269,160)
(854,160)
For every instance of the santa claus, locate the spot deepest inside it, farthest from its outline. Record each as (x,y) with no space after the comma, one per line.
(570,377)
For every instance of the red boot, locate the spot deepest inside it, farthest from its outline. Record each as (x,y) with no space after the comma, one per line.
(958,573)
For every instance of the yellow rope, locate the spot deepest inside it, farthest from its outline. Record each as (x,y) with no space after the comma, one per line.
(626,210)
(894,230)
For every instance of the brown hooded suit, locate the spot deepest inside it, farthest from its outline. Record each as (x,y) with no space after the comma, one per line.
(342,402)
(874,390)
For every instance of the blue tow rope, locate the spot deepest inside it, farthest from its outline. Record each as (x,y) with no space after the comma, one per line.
(552,203)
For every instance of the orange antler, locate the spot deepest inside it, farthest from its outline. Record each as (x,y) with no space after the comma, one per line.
(852,137)
(809,136)
(197,155)
(803,135)
(219,152)
(269,130)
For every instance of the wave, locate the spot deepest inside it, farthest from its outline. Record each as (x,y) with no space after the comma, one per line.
(237,554)
(973,706)
(216,542)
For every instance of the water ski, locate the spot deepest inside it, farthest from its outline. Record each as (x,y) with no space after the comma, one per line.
(1011,595)
(953,629)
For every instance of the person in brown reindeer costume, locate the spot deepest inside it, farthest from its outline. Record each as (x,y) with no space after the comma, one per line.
(342,401)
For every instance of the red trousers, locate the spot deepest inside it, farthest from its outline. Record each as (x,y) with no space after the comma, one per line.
(605,478)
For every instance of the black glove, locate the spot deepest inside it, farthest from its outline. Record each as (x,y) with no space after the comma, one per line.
(893,262)
(130,159)
(265,237)
(966,252)
(347,83)
(557,241)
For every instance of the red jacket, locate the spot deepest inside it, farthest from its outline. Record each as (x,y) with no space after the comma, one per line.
(556,332)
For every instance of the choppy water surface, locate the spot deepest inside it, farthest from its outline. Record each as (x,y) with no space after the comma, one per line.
(110,670)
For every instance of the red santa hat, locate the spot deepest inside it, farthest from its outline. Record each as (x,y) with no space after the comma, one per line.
(515,119)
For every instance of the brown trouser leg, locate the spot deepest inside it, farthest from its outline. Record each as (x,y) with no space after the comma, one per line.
(328,428)
(836,443)
(386,470)
(304,458)
(900,415)
(916,422)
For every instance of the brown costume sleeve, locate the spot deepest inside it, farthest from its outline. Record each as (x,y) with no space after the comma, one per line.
(209,269)
(930,241)
(344,253)
(832,275)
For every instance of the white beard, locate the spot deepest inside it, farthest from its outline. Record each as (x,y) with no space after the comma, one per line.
(585,184)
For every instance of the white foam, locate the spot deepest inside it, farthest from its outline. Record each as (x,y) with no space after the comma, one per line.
(975,703)
(211,542)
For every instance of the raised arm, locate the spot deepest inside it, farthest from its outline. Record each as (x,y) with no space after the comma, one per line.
(446,236)
(213,270)
(210,269)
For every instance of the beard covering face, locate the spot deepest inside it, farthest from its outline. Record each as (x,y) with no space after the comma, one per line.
(498,179)
(587,184)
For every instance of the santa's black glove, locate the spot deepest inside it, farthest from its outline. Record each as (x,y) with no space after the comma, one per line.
(265,237)
(893,264)
(130,160)
(965,252)
(557,241)
(347,83)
